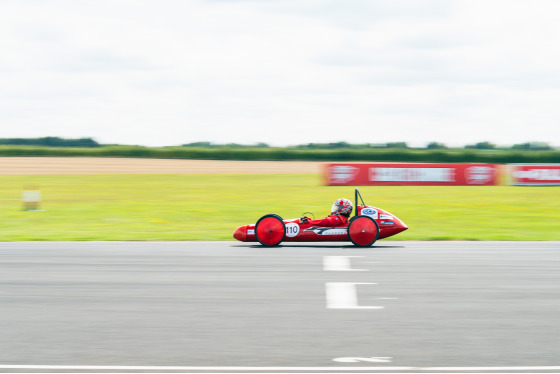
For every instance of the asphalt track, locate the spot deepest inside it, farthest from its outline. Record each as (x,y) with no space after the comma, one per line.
(237,307)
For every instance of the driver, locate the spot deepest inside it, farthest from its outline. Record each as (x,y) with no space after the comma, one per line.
(340,212)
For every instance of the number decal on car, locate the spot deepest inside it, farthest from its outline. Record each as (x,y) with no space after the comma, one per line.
(292,229)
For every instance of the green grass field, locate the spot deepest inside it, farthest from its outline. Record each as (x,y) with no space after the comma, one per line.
(210,207)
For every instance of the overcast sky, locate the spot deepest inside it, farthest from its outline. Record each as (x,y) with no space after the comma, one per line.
(163,72)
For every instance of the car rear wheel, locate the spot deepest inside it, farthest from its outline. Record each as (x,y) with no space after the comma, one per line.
(270,230)
(363,231)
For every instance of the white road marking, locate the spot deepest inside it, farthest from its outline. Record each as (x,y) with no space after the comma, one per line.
(194,368)
(493,368)
(341,295)
(363,359)
(339,263)
(279,368)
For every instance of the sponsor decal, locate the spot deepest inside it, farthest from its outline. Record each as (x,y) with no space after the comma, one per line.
(328,230)
(250,232)
(412,174)
(535,174)
(385,216)
(538,174)
(369,212)
(292,229)
(342,174)
(479,174)
(387,222)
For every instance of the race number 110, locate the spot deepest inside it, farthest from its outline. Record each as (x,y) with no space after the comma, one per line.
(292,229)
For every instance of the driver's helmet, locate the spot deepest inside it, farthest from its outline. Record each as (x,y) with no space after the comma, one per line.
(342,206)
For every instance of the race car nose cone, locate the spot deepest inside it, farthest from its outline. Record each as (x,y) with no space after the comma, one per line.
(240,233)
(400,226)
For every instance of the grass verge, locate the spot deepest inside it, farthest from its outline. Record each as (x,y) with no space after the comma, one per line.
(210,207)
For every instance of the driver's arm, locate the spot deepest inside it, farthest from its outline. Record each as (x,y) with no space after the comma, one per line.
(328,221)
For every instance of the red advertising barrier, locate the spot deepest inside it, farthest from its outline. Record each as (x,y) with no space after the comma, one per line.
(535,174)
(411,174)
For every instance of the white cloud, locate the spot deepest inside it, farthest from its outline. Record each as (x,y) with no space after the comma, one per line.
(282,72)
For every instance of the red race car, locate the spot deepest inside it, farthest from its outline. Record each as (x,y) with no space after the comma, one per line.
(367,226)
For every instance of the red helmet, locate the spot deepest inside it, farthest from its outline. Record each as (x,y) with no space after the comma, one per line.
(342,206)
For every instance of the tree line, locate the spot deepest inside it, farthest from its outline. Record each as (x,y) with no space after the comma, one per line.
(52,141)
(529,146)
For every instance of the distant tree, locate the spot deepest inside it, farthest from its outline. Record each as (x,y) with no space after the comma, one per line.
(87,142)
(436,145)
(397,145)
(339,145)
(229,145)
(481,145)
(52,141)
(533,146)
(308,145)
(198,145)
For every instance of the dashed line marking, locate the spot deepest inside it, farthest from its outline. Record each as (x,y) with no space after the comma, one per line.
(339,263)
(364,359)
(342,295)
